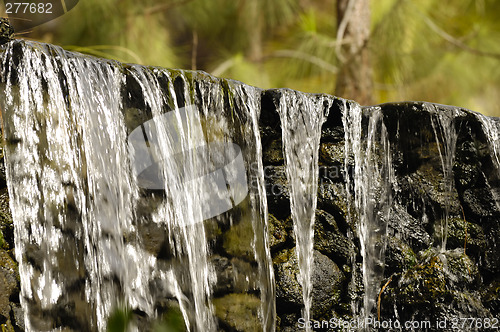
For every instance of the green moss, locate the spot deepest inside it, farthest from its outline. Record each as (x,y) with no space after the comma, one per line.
(3,243)
(424,283)
(462,234)
(238,240)
(239,311)
(332,153)
(5,219)
(277,232)
(399,255)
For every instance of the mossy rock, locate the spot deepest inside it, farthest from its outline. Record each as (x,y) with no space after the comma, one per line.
(424,283)
(279,232)
(273,152)
(234,275)
(239,311)
(327,281)
(491,296)
(6,223)
(332,153)
(9,283)
(443,285)
(462,234)
(330,241)
(332,197)
(399,256)
(238,240)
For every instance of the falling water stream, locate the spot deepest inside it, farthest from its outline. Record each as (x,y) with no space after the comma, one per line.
(301,121)
(87,140)
(446,140)
(491,128)
(373,178)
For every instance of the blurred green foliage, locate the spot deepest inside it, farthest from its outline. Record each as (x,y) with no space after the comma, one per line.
(119,320)
(443,51)
(122,318)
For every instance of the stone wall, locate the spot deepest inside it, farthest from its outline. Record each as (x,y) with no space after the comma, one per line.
(11,315)
(420,282)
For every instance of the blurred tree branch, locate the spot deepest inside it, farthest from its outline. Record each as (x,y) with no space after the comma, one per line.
(305,57)
(454,41)
(164,7)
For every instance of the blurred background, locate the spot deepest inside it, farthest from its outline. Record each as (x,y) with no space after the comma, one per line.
(372,51)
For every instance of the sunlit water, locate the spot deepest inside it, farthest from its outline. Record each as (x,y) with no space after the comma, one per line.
(443,124)
(372,182)
(491,127)
(301,121)
(86,140)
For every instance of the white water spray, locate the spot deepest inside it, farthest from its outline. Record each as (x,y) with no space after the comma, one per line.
(372,178)
(301,120)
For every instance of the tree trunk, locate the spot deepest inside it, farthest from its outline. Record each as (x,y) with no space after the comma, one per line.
(355,77)
(255,31)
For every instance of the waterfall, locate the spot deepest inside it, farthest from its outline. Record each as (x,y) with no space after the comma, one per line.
(301,121)
(492,131)
(372,182)
(144,188)
(101,156)
(443,124)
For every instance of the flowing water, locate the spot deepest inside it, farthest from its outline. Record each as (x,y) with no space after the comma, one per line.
(102,158)
(443,124)
(491,128)
(372,180)
(301,121)
(88,143)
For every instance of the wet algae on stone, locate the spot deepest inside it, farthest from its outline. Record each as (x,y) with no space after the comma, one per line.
(421,280)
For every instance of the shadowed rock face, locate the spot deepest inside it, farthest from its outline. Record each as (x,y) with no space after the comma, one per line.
(424,282)
(445,189)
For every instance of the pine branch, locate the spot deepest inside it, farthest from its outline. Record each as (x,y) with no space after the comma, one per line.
(452,40)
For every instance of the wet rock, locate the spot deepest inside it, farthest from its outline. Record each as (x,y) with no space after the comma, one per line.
(278,194)
(411,230)
(481,202)
(399,256)
(326,280)
(237,311)
(237,241)
(461,234)
(491,296)
(233,275)
(155,239)
(6,223)
(442,285)
(272,152)
(18,316)
(280,232)
(330,241)
(491,262)
(332,197)
(332,154)
(9,286)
